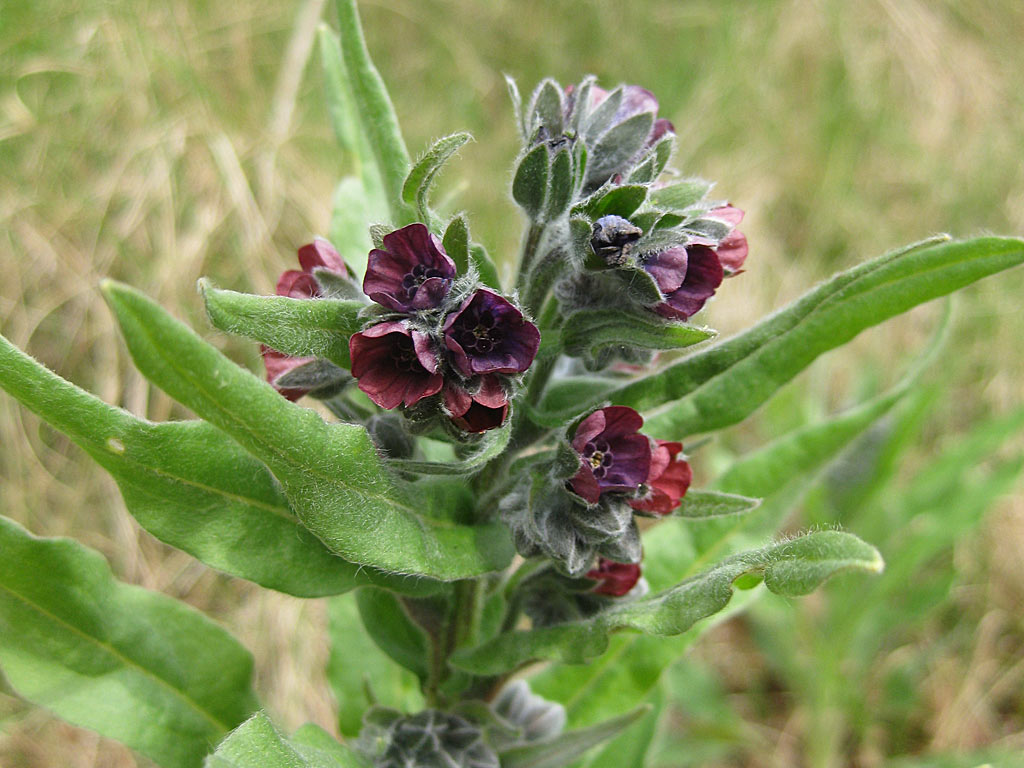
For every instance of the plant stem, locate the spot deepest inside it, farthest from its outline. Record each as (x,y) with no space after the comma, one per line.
(528,254)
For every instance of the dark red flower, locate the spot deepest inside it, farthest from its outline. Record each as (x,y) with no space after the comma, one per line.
(487,334)
(616,579)
(703,275)
(296,284)
(487,408)
(411,272)
(668,480)
(613,455)
(394,365)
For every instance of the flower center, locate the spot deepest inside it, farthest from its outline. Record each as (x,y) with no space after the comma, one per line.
(412,281)
(598,454)
(403,355)
(479,333)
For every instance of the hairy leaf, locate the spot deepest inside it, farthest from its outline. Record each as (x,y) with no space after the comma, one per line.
(331,474)
(375,112)
(727,382)
(566,747)
(297,327)
(530,185)
(680,195)
(703,505)
(416,189)
(256,743)
(133,665)
(791,568)
(592,330)
(490,446)
(193,487)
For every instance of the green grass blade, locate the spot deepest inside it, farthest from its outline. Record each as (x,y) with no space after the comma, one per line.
(133,665)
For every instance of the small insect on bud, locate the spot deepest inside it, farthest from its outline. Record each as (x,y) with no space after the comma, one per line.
(612,239)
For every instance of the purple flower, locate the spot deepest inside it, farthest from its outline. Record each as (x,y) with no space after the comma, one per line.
(700,280)
(487,408)
(319,254)
(731,249)
(616,579)
(411,272)
(395,365)
(668,481)
(613,455)
(487,334)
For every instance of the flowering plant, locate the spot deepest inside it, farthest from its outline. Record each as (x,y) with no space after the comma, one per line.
(503,481)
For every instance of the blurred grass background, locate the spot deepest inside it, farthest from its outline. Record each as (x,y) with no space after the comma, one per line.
(156,142)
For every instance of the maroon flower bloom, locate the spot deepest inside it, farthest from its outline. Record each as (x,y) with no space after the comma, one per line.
(703,275)
(668,480)
(613,455)
(485,409)
(616,579)
(487,334)
(732,249)
(296,284)
(394,365)
(411,272)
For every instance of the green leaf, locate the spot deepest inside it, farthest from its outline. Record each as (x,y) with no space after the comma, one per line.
(629,749)
(681,195)
(456,243)
(530,185)
(375,112)
(331,474)
(562,186)
(193,487)
(618,146)
(133,665)
(621,201)
(488,271)
(592,330)
(256,743)
(569,746)
(651,166)
(393,631)
(707,504)
(491,445)
(790,568)
(297,327)
(547,110)
(416,189)
(724,384)
(358,668)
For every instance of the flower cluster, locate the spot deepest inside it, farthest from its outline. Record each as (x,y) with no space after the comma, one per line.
(588,514)
(463,346)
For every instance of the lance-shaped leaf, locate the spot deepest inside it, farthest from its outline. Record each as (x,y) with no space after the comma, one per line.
(702,505)
(547,110)
(615,201)
(256,743)
(193,487)
(331,474)
(490,446)
(375,112)
(393,631)
(618,146)
(791,568)
(465,253)
(680,195)
(567,747)
(592,330)
(352,211)
(726,383)
(133,665)
(297,327)
(416,189)
(629,749)
(530,185)
(561,187)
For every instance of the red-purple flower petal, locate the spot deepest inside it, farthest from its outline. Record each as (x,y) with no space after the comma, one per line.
(613,454)
(394,365)
(732,249)
(320,254)
(483,410)
(487,334)
(277,365)
(668,480)
(411,272)
(703,276)
(668,268)
(616,579)
(298,285)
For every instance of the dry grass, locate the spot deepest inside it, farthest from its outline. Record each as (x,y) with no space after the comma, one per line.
(160,142)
